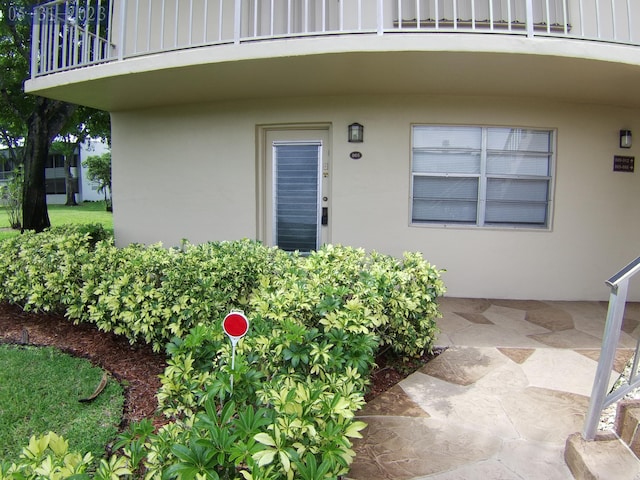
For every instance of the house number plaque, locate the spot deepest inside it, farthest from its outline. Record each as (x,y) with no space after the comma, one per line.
(623,164)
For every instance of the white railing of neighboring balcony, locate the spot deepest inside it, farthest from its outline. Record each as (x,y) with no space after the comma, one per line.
(68,34)
(601,397)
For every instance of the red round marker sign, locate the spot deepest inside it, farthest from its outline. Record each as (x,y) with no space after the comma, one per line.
(235,325)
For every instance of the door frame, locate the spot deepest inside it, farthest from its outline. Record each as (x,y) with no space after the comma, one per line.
(264,176)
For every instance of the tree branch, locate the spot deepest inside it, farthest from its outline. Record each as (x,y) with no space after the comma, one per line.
(11,105)
(21,44)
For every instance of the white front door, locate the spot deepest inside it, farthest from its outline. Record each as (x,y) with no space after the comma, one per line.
(297,203)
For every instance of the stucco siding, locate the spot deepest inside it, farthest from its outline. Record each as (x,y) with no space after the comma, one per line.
(195,172)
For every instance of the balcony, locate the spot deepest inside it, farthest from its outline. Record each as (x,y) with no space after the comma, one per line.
(115,38)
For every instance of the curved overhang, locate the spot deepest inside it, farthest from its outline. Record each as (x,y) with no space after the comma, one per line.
(406,64)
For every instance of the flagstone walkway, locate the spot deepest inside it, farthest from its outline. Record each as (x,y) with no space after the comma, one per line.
(500,402)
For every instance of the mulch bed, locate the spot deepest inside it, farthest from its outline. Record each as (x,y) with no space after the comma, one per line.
(136,367)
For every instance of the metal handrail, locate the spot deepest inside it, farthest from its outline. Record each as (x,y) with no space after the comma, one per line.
(619,284)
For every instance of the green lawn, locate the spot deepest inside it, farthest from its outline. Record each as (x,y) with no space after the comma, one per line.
(87,212)
(39,392)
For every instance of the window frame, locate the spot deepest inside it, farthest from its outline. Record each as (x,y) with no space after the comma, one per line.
(483,176)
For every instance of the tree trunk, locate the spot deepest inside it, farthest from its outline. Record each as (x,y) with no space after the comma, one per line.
(46,121)
(34,195)
(69,184)
(108,200)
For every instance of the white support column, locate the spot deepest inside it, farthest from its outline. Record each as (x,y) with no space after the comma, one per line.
(598,18)
(163,11)
(380,17)
(190,41)
(36,49)
(176,25)
(629,21)
(86,36)
(529,19)
(237,21)
(613,20)
(123,27)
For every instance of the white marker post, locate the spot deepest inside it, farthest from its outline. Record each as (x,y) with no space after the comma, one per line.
(236,326)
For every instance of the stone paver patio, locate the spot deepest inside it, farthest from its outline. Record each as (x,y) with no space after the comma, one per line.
(500,402)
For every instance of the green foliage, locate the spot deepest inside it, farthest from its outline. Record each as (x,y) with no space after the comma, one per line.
(48,457)
(265,425)
(99,171)
(15,39)
(41,272)
(287,408)
(151,294)
(95,232)
(11,194)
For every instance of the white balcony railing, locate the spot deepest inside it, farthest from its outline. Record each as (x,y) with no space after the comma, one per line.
(68,34)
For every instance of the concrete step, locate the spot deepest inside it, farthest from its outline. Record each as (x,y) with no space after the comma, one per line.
(626,424)
(607,457)
(610,455)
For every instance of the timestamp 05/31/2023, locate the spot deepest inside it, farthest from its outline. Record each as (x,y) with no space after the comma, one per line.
(73,13)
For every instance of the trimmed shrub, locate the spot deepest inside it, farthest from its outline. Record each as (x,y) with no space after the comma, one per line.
(41,272)
(151,294)
(48,457)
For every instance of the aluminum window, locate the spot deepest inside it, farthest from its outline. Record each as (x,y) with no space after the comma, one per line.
(483,176)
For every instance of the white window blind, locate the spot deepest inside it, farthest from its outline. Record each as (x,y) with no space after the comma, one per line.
(481,175)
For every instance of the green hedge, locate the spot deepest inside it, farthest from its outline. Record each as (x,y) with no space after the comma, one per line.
(316,322)
(150,293)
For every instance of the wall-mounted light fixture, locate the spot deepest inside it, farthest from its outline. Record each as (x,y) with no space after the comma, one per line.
(625,138)
(356,133)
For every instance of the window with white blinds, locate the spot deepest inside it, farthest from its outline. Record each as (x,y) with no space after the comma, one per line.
(484,176)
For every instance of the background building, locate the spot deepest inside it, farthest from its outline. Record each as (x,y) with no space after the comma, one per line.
(86,191)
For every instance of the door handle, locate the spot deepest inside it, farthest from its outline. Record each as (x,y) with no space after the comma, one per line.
(325,215)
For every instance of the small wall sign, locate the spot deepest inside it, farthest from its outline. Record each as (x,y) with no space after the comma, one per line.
(355,155)
(623,164)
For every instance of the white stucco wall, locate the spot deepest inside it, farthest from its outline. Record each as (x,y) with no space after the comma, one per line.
(190,172)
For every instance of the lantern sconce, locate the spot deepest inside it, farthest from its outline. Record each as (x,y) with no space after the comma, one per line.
(625,138)
(356,133)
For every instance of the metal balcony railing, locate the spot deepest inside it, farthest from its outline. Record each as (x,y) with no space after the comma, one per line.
(69,34)
(600,399)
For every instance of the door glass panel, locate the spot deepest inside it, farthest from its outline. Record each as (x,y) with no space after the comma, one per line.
(296,190)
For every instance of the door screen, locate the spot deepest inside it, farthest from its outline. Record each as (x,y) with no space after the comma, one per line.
(297,195)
